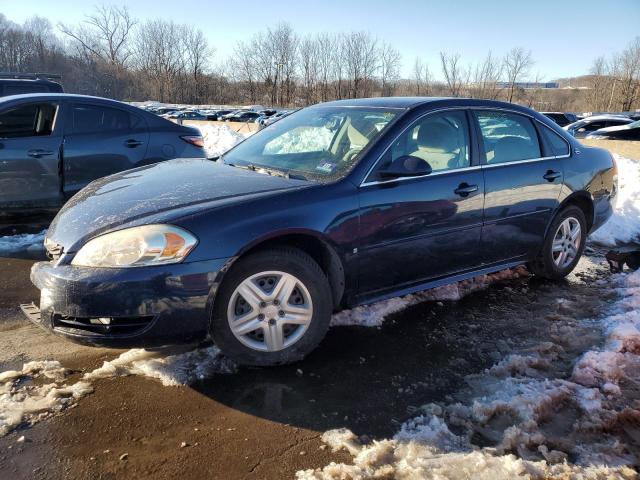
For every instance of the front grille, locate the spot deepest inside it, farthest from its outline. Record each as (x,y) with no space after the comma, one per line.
(98,326)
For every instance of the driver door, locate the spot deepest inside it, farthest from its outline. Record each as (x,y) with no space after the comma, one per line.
(416,229)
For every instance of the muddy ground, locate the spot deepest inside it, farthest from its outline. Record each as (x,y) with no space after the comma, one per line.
(267,423)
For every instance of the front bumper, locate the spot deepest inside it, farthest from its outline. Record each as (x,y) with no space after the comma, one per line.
(126,307)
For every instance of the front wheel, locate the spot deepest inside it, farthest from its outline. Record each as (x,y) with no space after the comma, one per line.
(563,245)
(274,307)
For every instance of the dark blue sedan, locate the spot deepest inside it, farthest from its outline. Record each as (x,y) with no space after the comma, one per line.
(337,205)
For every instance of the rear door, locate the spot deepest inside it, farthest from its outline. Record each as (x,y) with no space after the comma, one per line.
(100,140)
(30,140)
(522,181)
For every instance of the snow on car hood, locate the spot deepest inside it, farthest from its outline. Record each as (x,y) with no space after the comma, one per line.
(155,194)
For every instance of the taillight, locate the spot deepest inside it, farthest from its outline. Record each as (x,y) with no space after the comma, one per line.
(195,140)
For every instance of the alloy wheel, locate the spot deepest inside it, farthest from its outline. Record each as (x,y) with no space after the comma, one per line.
(566,242)
(270,311)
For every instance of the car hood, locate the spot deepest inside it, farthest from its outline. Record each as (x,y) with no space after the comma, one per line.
(157,193)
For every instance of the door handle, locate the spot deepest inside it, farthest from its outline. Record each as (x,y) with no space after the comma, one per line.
(464,189)
(38,152)
(551,175)
(131,143)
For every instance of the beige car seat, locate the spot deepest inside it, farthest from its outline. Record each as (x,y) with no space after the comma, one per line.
(437,144)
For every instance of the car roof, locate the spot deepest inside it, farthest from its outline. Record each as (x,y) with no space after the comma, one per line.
(58,96)
(408,103)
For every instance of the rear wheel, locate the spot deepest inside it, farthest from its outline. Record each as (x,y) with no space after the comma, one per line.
(563,245)
(273,307)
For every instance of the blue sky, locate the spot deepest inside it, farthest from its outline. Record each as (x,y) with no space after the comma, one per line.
(564,36)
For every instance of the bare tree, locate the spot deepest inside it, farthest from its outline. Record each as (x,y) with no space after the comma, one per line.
(517,63)
(421,77)
(627,72)
(452,72)
(487,77)
(105,33)
(198,55)
(390,61)
(360,50)
(309,53)
(160,57)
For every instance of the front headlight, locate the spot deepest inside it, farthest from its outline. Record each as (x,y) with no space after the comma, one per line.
(136,247)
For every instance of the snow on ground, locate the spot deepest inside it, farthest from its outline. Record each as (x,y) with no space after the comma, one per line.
(542,426)
(22,242)
(172,370)
(623,226)
(220,138)
(24,399)
(373,315)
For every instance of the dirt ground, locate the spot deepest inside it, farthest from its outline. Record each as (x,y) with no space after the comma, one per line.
(266,423)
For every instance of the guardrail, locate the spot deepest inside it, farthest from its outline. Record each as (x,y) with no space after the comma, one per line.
(625,148)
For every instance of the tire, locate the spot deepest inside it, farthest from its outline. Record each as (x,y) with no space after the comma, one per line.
(296,283)
(548,264)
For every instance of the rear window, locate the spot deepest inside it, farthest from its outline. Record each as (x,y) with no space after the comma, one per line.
(31,120)
(559,146)
(98,119)
(508,137)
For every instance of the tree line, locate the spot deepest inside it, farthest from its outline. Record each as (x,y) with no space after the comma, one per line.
(112,54)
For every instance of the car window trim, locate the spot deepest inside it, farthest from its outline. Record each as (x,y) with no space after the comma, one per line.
(481,166)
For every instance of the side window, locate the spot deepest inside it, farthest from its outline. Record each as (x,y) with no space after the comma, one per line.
(441,140)
(559,145)
(508,137)
(98,119)
(28,121)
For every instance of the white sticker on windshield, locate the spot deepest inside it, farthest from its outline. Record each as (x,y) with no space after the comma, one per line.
(326,167)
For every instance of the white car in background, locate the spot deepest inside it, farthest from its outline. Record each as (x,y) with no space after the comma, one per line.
(582,128)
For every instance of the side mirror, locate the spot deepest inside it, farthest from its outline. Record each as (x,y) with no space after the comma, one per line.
(406,166)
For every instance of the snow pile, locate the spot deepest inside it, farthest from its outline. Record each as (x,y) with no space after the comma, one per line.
(624,225)
(24,402)
(373,315)
(220,138)
(537,426)
(172,370)
(22,242)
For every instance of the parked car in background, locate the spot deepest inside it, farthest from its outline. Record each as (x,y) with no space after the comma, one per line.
(339,204)
(630,131)
(165,110)
(187,115)
(52,145)
(218,114)
(583,127)
(275,117)
(561,118)
(21,83)
(242,116)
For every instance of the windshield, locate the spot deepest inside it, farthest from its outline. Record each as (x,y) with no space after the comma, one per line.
(318,143)
(635,124)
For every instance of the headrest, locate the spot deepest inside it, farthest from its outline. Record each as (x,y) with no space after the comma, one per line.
(438,136)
